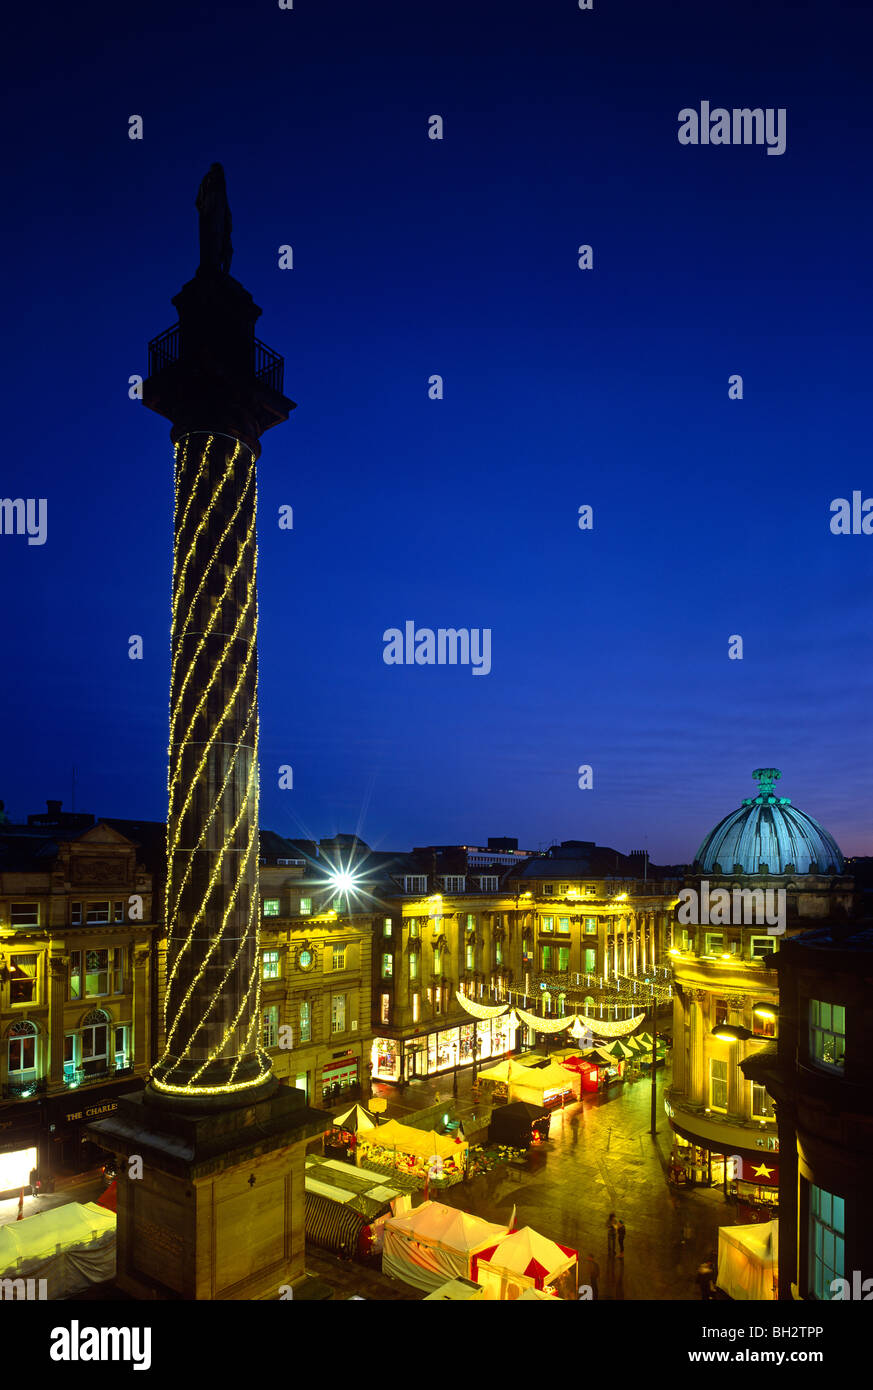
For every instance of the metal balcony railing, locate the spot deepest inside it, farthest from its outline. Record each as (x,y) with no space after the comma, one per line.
(22,1090)
(268,366)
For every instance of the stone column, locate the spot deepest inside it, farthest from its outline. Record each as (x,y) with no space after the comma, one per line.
(696,1083)
(738,1099)
(680,1023)
(140,1012)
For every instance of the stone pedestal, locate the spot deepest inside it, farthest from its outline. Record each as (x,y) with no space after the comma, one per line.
(218,1212)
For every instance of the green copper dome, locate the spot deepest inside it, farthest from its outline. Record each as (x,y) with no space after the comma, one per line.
(767,829)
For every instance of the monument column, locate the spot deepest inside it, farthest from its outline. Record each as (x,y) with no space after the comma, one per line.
(218,1210)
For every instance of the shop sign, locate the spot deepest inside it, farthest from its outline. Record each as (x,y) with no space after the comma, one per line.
(759,1171)
(91,1112)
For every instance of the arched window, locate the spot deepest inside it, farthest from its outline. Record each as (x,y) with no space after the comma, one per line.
(95,1042)
(21,1057)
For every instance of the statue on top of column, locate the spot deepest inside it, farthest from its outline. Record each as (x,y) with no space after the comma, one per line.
(215,222)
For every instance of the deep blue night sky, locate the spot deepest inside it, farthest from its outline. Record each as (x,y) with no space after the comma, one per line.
(562,387)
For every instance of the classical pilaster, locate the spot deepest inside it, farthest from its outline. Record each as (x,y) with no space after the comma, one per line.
(141,1006)
(58,975)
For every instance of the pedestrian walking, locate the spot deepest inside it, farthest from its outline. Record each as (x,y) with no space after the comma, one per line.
(610,1233)
(591,1275)
(620,1232)
(704,1280)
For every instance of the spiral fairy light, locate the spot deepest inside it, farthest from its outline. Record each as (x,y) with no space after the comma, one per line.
(212,995)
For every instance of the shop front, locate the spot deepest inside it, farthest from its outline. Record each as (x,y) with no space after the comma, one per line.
(446,1048)
(340,1077)
(70,1148)
(752,1180)
(385,1057)
(20,1136)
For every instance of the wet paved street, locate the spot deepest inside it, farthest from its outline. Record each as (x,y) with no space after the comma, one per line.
(600,1158)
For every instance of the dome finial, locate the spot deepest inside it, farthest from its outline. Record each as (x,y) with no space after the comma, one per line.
(766,777)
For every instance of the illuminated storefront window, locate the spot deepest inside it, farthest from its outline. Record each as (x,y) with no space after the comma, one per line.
(385,1059)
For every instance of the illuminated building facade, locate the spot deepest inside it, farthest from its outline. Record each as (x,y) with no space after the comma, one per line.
(724,976)
(552,933)
(76,936)
(316,977)
(820,1074)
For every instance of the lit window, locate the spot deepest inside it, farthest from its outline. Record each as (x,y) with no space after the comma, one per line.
(22,1053)
(761,946)
(271,1025)
(70,1056)
(718,1084)
(827,1035)
(762,1105)
(338,958)
(22,985)
(96,973)
(271,907)
(270,965)
(95,1042)
(827,1230)
(305,907)
(338,1013)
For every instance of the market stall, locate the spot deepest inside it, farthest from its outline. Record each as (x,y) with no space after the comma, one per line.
(527,1260)
(416,1152)
(748,1266)
(609,1068)
(588,1071)
(552,1084)
(345,1128)
(70,1246)
(435,1243)
(519,1125)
